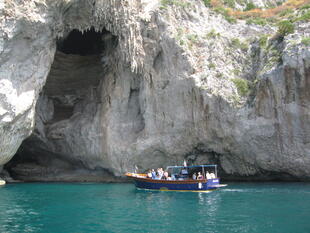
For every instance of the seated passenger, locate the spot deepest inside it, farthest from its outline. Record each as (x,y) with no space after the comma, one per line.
(149,174)
(160,173)
(166,175)
(199,177)
(212,175)
(194,176)
(208,175)
(153,174)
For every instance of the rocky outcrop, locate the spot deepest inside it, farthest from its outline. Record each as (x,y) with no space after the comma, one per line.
(124,83)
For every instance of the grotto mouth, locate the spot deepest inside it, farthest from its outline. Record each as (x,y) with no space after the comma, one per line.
(72,93)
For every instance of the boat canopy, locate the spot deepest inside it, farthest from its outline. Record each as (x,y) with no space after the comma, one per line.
(211,165)
(195,166)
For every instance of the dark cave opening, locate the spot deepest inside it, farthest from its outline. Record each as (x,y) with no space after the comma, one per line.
(87,43)
(70,94)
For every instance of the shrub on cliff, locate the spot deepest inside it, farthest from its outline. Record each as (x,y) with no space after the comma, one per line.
(225,13)
(304,17)
(207,3)
(285,27)
(257,21)
(306,41)
(178,3)
(242,86)
(250,6)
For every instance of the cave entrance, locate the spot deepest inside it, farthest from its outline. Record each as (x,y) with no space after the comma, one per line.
(88,43)
(68,102)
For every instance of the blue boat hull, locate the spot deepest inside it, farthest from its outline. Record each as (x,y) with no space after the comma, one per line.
(185,185)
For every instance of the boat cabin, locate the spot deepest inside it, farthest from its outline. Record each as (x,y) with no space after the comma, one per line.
(191,172)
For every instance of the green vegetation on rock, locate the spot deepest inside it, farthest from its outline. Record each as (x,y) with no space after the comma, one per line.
(207,3)
(263,41)
(250,6)
(304,17)
(304,7)
(230,3)
(193,38)
(235,42)
(179,3)
(274,57)
(212,34)
(211,65)
(223,11)
(257,21)
(179,36)
(306,41)
(236,71)
(286,12)
(285,27)
(242,86)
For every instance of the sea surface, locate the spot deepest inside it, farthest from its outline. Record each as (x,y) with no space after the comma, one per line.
(240,207)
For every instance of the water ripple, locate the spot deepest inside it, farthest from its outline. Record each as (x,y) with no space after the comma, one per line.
(249,207)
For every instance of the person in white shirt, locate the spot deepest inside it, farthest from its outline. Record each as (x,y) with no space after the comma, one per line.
(208,175)
(160,173)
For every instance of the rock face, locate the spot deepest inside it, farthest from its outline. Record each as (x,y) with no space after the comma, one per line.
(97,87)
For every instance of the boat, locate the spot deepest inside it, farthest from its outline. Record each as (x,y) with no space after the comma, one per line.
(2,182)
(180,179)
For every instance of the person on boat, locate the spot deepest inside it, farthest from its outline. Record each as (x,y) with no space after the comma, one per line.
(212,175)
(160,173)
(194,176)
(199,177)
(166,175)
(149,174)
(153,174)
(208,175)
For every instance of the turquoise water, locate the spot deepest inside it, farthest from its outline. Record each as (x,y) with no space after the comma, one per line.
(241,207)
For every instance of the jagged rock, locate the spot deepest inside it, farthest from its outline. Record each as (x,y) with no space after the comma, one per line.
(140,85)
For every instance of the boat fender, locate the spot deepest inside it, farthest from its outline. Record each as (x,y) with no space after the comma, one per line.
(200,185)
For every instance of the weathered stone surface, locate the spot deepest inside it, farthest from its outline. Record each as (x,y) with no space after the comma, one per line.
(159,90)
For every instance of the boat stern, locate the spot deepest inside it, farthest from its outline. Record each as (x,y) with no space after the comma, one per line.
(215,183)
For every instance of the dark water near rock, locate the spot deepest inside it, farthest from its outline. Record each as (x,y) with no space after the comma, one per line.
(241,207)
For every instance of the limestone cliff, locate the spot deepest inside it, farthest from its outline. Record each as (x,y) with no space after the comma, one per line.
(95,87)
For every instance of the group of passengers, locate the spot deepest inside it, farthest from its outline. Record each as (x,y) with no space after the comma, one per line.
(201,177)
(160,174)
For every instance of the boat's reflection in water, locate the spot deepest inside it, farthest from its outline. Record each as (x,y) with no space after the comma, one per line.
(198,207)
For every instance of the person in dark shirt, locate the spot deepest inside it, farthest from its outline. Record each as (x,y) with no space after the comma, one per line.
(153,174)
(199,177)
